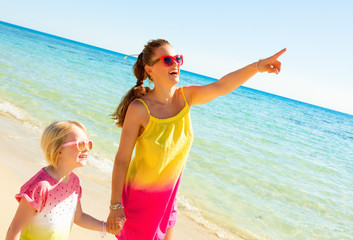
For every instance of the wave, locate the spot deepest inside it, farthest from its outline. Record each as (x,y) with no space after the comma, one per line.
(20,114)
(238,232)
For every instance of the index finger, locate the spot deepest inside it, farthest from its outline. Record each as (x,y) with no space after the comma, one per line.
(277,55)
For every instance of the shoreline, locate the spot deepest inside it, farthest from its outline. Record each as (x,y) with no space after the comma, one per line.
(21,157)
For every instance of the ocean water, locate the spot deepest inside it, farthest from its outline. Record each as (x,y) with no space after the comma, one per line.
(261,166)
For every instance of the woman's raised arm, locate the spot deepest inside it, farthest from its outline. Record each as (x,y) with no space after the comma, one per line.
(201,94)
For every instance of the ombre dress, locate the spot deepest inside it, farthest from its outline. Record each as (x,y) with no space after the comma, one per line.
(153,176)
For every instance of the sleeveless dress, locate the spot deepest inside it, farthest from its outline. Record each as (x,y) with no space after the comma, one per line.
(153,176)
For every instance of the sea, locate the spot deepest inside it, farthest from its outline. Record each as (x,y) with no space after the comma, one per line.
(261,166)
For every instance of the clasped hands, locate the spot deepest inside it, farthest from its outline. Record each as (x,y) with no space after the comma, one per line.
(115,221)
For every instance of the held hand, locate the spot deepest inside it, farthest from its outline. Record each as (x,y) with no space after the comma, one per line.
(271,64)
(115,221)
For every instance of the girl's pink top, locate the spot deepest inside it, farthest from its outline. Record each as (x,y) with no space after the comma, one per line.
(55,205)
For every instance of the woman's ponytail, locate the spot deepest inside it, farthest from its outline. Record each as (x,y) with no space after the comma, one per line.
(144,58)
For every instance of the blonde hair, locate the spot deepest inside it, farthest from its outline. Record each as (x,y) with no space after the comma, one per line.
(54,136)
(143,59)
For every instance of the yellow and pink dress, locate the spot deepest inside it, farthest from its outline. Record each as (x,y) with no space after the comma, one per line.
(153,176)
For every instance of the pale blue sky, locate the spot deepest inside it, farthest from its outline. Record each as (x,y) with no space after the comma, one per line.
(217,37)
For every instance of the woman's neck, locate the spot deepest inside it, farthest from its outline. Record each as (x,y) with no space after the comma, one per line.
(163,95)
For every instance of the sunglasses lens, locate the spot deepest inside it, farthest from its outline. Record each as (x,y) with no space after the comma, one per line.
(179,59)
(168,61)
(90,145)
(81,145)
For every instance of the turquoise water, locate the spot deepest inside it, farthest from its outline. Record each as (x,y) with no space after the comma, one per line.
(261,166)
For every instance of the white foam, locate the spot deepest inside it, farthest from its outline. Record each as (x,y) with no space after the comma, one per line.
(195,214)
(240,232)
(101,162)
(16,112)
(33,126)
(21,115)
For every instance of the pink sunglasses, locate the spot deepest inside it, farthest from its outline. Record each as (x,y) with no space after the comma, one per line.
(169,60)
(81,145)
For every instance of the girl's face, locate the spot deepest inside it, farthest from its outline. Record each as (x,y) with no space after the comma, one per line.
(159,72)
(70,155)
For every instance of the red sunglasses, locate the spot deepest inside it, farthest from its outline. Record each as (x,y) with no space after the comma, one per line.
(169,60)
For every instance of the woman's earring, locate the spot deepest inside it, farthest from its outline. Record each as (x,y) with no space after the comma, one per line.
(150,82)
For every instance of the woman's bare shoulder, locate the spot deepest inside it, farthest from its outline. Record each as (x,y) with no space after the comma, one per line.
(188,90)
(137,107)
(137,113)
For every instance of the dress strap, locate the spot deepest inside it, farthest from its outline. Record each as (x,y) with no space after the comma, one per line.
(182,91)
(139,99)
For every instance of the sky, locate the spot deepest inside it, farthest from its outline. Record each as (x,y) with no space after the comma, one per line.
(217,37)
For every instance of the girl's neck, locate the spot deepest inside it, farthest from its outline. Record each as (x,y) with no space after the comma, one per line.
(60,173)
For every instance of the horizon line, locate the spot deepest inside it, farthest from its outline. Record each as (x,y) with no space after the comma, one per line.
(115,52)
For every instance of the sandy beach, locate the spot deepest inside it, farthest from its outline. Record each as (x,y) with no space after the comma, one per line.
(21,157)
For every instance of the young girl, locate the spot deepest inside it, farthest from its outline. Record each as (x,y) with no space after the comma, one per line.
(50,201)
(157,122)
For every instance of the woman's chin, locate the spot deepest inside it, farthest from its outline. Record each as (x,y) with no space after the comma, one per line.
(174,79)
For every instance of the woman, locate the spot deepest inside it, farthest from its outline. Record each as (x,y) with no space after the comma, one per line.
(157,122)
